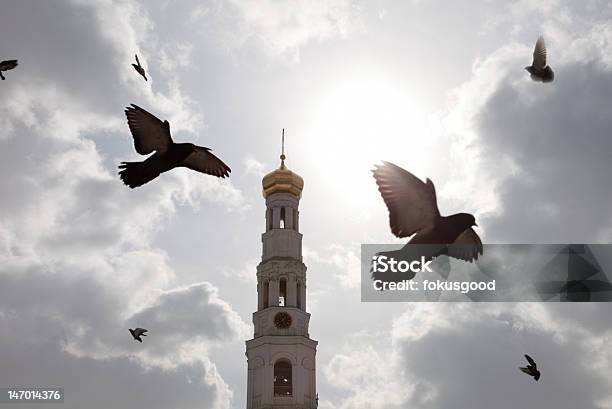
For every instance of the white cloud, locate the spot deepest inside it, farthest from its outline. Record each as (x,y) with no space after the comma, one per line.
(344,260)
(175,56)
(77,263)
(185,323)
(369,375)
(247,273)
(255,167)
(281,27)
(467,355)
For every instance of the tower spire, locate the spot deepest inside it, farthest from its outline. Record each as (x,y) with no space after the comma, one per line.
(282,179)
(282,157)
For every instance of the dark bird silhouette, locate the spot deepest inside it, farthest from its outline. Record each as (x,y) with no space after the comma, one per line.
(539,70)
(413,209)
(7,65)
(139,68)
(531,369)
(137,333)
(151,134)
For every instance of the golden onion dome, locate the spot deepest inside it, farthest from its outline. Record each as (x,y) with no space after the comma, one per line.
(282,180)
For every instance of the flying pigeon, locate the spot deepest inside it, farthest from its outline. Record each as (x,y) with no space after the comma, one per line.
(531,369)
(7,65)
(539,70)
(139,68)
(413,209)
(151,134)
(137,333)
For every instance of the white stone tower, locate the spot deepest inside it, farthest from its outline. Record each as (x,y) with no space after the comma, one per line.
(281,355)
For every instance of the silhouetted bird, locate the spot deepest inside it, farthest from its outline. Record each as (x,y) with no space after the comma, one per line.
(139,68)
(539,70)
(150,134)
(7,65)
(531,369)
(413,209)
(137,333)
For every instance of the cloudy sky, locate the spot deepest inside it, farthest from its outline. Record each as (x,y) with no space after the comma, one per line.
(437,87)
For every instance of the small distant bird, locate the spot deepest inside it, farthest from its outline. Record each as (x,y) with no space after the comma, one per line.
(413,208)
(151,134)
(531,369)
(539,70)
(139,68)
(137,333)
(7,65)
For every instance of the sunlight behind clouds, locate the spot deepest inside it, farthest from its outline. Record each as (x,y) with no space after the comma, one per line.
(362,119)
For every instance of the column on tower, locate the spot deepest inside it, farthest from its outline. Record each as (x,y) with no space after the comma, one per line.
(291,292)
(276,213)
(273,298)
(289,218)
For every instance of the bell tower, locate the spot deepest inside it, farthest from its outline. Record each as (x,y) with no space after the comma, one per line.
(281,355)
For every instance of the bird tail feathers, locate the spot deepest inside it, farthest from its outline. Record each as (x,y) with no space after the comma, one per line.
(135,174)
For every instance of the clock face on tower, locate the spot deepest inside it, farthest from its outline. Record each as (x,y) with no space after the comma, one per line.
(282,320)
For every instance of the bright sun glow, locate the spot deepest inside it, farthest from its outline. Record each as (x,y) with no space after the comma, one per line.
(364,120)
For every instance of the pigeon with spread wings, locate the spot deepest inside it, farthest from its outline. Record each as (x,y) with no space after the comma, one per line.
(539,69)
(531,369)
(137,333)
(151,134)
(7,65)
(413,210)
(139,69)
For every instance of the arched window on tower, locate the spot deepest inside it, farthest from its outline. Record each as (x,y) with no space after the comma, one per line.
(266,293)
(282,292)
(282,218)
(283,385)
(299,295)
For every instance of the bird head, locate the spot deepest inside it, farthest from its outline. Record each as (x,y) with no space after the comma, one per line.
(466,220)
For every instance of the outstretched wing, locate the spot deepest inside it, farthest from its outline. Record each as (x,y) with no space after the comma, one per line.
(137,61)
(411,203)
(466,247)
(8,65)
(531,361)
(203,161)
(139,331)
(150,134)
(526,370)
(539,53)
